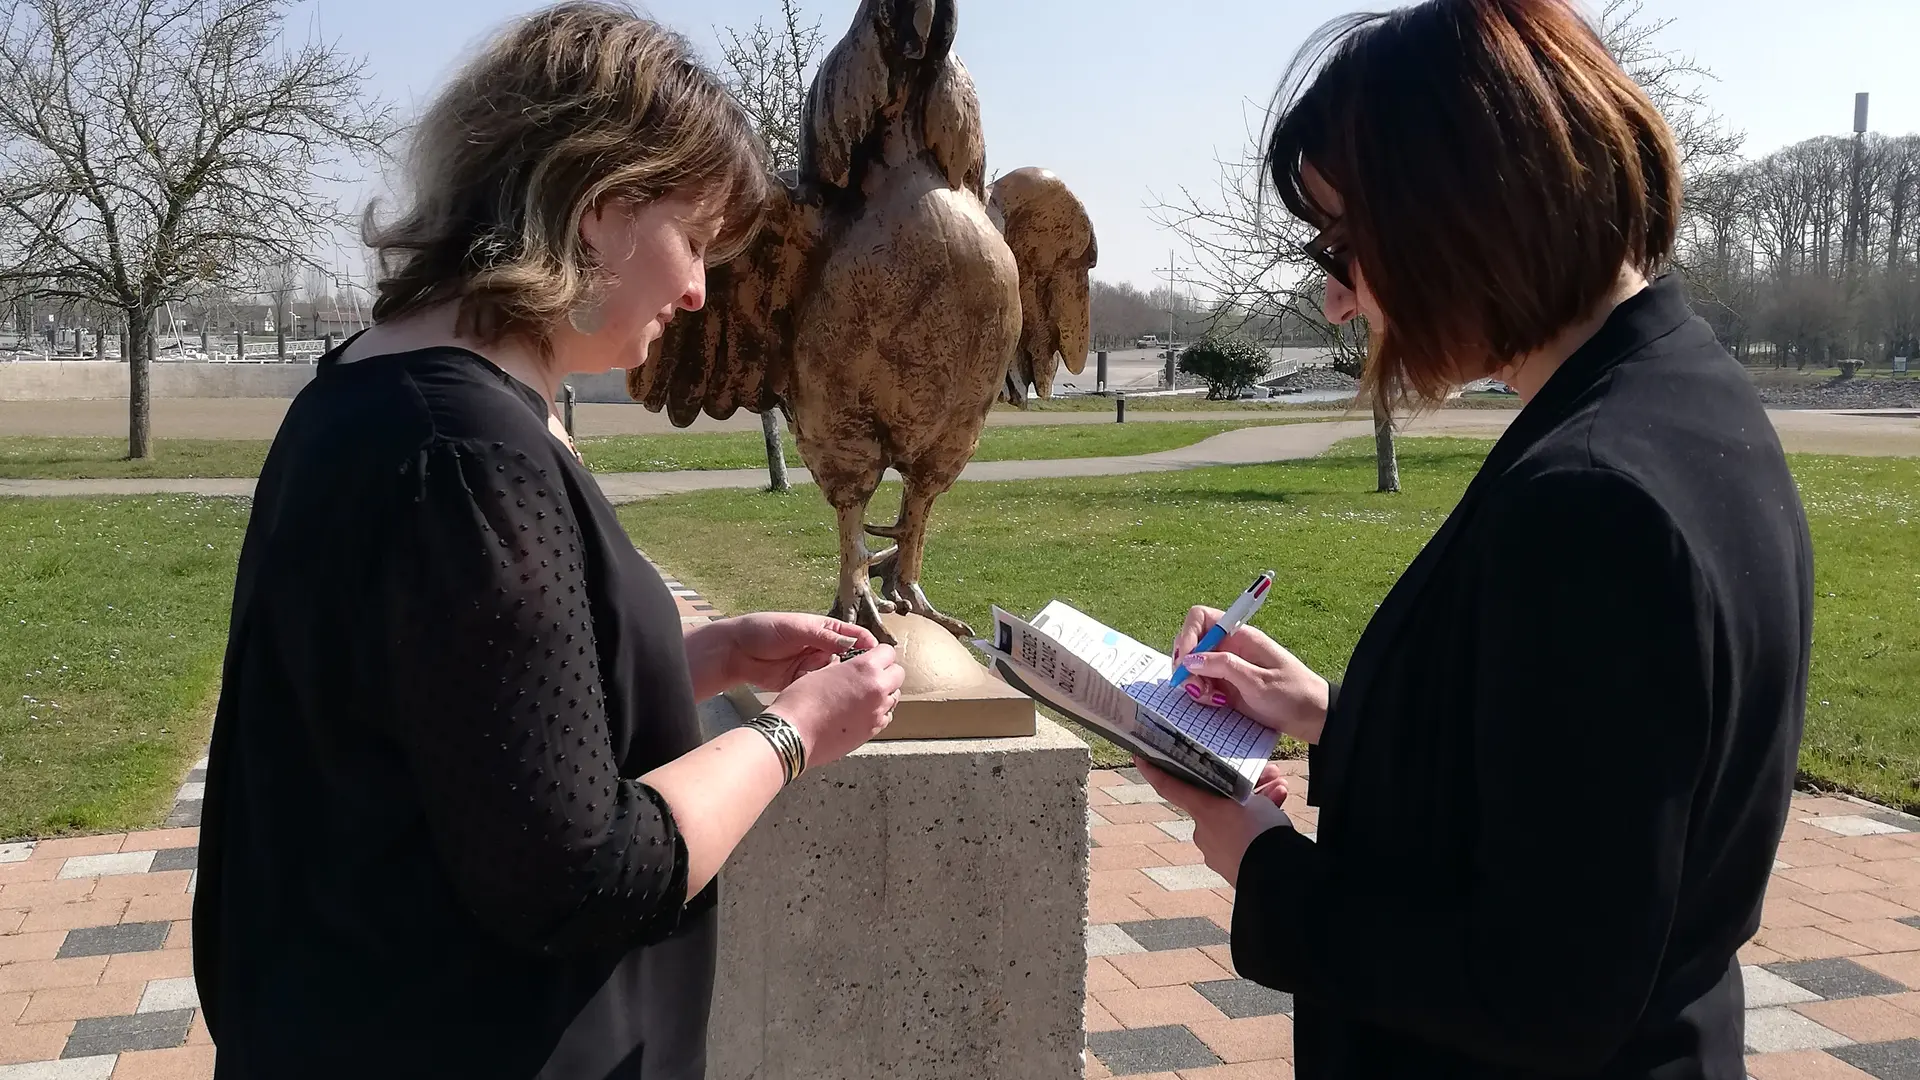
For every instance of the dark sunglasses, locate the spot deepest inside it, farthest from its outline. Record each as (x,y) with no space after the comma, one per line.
(1329,252)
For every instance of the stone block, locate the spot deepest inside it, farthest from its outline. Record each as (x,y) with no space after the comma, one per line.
(918,909)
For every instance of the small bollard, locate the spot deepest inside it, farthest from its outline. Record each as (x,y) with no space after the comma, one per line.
(566,408)
(1120,408)
(1100,370)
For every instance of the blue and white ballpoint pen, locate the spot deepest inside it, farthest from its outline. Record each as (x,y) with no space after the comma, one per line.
(1235,617)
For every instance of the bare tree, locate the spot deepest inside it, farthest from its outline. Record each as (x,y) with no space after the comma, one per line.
(149,148)
(767,68)
(1246,248)
(278,285)
(1674,82)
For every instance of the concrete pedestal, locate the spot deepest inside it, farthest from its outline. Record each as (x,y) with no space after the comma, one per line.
(917,910)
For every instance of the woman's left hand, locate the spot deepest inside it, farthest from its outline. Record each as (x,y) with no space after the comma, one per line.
(772,649)
(1222,828)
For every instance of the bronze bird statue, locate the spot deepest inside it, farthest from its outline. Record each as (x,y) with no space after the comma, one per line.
(887,295)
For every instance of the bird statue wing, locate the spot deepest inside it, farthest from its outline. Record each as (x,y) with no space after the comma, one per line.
(1051,237)
(736,352)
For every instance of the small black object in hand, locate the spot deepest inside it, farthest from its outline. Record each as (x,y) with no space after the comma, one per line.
(851,653)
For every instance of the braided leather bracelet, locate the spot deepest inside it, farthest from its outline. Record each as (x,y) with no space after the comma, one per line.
(785,738)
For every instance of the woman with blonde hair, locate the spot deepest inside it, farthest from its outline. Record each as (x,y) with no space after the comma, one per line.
(459,819)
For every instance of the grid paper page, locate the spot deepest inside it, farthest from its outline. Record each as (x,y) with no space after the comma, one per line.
(1142,673)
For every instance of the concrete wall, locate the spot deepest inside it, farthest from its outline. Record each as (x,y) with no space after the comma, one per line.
(77,380)
(70,380)
(607,387)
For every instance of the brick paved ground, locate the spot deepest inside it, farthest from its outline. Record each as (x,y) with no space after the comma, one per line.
(1831,977)
(96,979)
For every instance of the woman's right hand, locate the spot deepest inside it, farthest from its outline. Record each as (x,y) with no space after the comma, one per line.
(1252,673)
(839,707)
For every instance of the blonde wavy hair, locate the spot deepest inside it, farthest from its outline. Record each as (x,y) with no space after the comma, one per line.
(567,109)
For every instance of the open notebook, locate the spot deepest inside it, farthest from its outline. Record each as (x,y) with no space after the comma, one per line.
(1106,681)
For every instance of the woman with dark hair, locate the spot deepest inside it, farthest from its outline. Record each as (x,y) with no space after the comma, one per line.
(1551,788)
(459,818)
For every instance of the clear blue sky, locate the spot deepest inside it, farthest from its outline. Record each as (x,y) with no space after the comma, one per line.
(1126,98)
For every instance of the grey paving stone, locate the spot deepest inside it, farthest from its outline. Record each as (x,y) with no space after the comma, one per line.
(1836,978)
(1910,920)
(116,1034)
(1241,998)
(1159,935)
(1131,775)
(1181,830)
(86,1068)
(1185,878)
(1106,939)
(1903,822)
(1773,1031)
(125,938)
(1147,1050)
(179,858)
(1766,990)
(165,995)
(186,814)
(1887,1060)
(125,862)
(197,776)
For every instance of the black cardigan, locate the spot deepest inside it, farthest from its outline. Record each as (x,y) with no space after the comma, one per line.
(424,852)
(1552,787)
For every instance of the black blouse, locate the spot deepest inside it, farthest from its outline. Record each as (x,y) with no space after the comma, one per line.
(424,852)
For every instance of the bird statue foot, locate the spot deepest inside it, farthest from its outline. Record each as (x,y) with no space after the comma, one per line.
(906,596)
(864,609)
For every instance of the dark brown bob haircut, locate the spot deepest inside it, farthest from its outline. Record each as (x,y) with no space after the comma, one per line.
(1497,169)
(567,109)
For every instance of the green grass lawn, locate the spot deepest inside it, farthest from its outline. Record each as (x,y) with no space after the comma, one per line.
(113,615)
(1136,551)
(27,457)
(114,611)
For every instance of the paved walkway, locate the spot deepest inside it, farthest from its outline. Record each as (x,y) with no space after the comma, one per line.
(1884,434)
(96,973)
(1242,446)
(259,418)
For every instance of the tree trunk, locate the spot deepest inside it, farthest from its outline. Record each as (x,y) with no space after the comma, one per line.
(776,456)
(139,389)
(1386,461)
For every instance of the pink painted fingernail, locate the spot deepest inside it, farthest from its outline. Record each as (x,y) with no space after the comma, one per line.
(1219,699)
(1193,692)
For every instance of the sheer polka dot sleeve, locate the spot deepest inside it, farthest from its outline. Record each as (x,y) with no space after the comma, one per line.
(501,719)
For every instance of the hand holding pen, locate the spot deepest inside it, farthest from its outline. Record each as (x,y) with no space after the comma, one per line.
(1254,674)
(1224,626)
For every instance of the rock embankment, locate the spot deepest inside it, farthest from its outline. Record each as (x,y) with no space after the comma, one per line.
(1859,393)
(1313,378)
